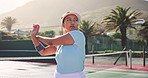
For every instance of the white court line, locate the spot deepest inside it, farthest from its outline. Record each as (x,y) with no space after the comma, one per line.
(134,73)
(25,58)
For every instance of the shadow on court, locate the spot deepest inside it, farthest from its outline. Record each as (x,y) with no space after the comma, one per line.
(20,69)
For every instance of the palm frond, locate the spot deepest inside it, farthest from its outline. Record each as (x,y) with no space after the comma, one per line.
(114,12)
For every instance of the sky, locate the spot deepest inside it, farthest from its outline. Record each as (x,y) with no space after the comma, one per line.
(8,5)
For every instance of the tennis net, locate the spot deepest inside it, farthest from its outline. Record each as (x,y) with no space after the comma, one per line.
(105,58)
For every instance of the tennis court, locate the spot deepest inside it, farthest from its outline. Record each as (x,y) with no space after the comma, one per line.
(102,68)
(18,69)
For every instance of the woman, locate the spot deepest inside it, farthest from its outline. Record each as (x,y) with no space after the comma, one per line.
(69,48)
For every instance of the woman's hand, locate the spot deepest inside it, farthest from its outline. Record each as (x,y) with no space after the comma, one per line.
(35,30)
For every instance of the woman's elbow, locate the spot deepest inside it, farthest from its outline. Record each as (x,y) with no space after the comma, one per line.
(42,53)
(46,53)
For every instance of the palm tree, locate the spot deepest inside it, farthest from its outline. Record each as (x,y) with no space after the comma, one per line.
(143,33)
(89,29)
(7,22)
(120,19)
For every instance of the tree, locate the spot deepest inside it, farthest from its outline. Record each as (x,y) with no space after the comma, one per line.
(120,19)
(7,22)
(49,33)
(89,29)
(143,33)
(116,35)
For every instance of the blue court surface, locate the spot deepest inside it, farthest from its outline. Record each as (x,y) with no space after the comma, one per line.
(20,69)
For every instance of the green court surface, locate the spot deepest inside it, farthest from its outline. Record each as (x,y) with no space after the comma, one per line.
(20,69)
(114,73)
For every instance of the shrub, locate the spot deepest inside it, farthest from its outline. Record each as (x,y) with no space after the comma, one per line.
(10,36)
(109,51)
(50,33)
(116,35)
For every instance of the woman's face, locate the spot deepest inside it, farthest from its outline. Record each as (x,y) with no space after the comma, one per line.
(70,23)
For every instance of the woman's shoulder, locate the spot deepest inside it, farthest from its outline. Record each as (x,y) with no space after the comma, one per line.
(76,31)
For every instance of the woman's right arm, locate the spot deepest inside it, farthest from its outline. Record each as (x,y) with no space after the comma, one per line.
(46,50)
(45,40)
(33,35)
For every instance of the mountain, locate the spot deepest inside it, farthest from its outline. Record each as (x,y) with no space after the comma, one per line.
(48,12)
(98,14)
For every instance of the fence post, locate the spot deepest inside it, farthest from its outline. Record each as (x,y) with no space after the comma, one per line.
(127,58)
(144,56)
(93,60)
(130,55)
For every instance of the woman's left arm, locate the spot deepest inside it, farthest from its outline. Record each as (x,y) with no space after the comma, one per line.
(62,40)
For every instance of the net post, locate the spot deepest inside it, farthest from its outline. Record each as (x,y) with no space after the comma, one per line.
(144,56)
(93,59)
(130,56)
(127,58)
